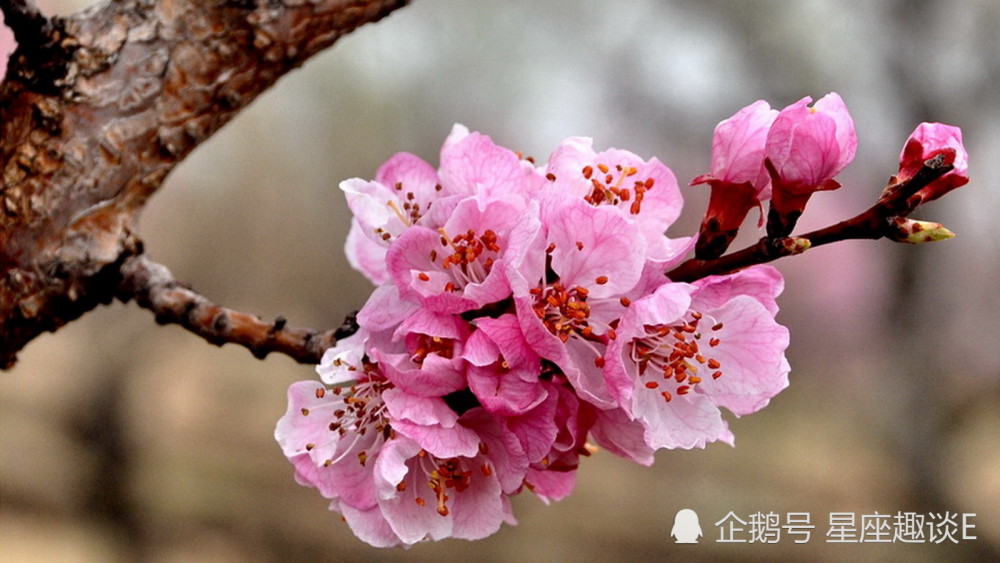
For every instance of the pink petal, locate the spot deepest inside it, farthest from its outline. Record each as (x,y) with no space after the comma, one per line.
(505,392)
(687,421)
(366,255)
(751,353)
(537,429)
(7,46)
(408,173)
(763,283)
(502,449)
(551,486)
(474,164)
(431,423)
(339,364)
(616,432)
(370,526)
(385,309)
(593,244)
(847,139)
(738,144)
(435,378)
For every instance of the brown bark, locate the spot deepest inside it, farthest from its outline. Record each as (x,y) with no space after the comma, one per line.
(98,108)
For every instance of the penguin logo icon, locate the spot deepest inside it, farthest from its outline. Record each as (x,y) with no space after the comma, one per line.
(686,527)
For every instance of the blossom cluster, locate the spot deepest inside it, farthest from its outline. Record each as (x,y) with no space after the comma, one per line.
(522,319)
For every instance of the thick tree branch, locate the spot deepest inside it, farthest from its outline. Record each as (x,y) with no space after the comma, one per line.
(98,108)
(153,287)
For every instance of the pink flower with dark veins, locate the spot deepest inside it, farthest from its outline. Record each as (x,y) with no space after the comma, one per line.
(424,496)
(332,436)
(806,148)
(503,369)
(459,266)
(567,282)
(407,191)
(645,192)
(927,141)
(687,350)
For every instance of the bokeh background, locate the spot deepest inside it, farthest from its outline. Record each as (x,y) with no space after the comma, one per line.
(124,440)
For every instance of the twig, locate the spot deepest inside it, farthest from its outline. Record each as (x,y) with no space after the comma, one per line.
(154,287)
(874,223)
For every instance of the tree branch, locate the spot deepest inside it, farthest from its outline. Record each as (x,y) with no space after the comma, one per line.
(154,288)
(98,108)
(874,223)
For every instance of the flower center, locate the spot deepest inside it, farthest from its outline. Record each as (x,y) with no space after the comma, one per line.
(444,476)
(471,258)
(423,345)
(669,357)
(564,312)
(610,186)
(362,410)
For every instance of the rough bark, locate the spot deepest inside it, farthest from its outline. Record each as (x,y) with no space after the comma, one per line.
(98,108)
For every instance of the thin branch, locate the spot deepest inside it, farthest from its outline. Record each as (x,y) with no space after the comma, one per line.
(153,287)
(874,223)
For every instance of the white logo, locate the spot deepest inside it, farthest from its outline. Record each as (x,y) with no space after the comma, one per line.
(686,527)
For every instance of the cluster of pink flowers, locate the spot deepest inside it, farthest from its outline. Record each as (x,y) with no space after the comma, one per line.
(521,311)
(522,314)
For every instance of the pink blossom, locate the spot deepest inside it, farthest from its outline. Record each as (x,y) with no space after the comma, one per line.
(519,315)
(459,266)
(332,435)
(684,351)
(738,180)
(738,147)
(473,163)
(407,191)
(643,191)
(806,147)
(595,255)
(927,141)
(504,371)
(423,496)
(430,363)
(7,46)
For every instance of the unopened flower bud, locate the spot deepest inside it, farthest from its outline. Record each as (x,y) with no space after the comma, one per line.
(806,147)
(795,245)
(927,141)
(737,180)
(912,231)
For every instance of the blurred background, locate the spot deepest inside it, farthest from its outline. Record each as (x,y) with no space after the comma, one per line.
(124,440)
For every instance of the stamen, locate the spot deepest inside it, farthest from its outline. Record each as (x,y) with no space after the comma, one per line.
(402,218)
